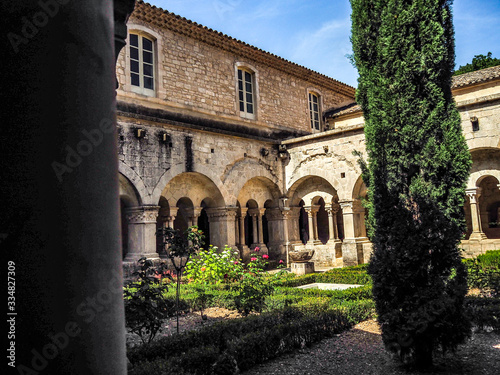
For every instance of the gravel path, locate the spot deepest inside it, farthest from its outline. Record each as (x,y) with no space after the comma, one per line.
(360,351)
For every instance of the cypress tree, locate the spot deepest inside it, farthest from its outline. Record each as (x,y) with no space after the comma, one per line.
(418,165)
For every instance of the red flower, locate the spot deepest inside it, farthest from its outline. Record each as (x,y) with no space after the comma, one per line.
(203,269)
(236,262)
(257,248)
(281,261)
(253,259)
(265,256)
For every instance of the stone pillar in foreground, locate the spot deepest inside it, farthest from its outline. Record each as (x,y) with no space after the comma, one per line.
(60,219)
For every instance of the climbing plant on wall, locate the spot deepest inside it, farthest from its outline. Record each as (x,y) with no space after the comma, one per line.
(416,171)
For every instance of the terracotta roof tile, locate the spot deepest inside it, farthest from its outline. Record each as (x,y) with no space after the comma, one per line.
(165,19)
(479,76)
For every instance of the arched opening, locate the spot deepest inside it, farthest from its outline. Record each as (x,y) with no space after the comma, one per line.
(162,221)
(322,222)
(303,223)
(182,220)
(250,224)
(204,224)
(489,203)
(124,227)
(129,197)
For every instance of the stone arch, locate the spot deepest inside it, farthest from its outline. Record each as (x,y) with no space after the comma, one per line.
(136,181)
(260,189)
(491,142)
(304,175)
(250,168)
(485,162)
(129,197)
(489,206)
(195,186)
(211,178)
(309,187)
(359,190)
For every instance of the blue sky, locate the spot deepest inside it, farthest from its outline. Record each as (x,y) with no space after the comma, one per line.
(315,33)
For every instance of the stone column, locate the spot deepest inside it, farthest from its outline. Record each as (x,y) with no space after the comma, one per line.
(242,228)
(237,230)
(255,234)
(313,234)
(141,233)
(332,222)
(59,222)
(171,218)
(315,210)
(293,225)
(261,244)
(477,230)
(285,211)
(195,214)
(351,252)
(222,221)
(359,216)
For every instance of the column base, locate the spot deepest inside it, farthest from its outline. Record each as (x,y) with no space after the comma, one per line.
(477,236)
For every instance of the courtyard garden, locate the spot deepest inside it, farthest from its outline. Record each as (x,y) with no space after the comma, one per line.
(234,316)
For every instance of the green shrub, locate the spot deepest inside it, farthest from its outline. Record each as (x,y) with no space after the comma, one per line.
(484,273)
(240,344)
(484,312)
(145,304)
(211,266)
(346,275)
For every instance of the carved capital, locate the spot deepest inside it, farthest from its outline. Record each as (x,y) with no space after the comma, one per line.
(473,194)
(221,213)
(142,215)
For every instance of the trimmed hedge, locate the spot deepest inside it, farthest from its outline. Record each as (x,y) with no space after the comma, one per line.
(240,344)
(484,272)
(348,275)
(484,312)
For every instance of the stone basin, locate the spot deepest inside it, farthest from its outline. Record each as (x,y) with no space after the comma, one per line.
(328,286)
(301,256)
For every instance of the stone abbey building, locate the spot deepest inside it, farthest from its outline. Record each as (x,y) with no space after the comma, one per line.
(258,151)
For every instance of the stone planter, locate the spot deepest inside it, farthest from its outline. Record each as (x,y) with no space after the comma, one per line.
(301,256)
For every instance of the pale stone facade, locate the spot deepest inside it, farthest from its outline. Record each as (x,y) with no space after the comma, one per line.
(189,154)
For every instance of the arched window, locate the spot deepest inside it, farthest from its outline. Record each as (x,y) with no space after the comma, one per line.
(314,111)
(142,64)
(246,92)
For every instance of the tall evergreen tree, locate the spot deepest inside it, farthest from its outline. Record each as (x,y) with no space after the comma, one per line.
(418,164)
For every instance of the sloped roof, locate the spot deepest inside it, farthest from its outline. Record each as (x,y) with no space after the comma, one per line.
(167,20)
(479,76)
(462,80)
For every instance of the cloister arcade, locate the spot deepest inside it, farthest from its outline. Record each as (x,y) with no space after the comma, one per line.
(310,216)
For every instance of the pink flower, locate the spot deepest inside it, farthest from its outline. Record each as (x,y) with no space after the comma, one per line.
(257,248)
(281,261)
(252,259)
(265,256)
(236,262)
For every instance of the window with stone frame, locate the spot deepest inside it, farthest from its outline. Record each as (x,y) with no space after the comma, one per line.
(142,64)
(314,111)
(246,93)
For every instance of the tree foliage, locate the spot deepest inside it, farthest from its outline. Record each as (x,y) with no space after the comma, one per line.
(417,167)
(478,62)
